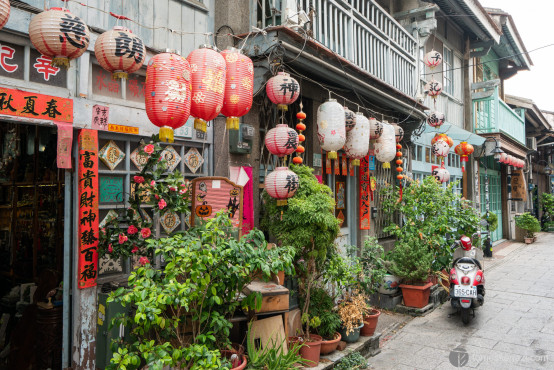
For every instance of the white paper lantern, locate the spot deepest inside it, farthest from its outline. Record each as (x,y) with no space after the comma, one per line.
(331,129)
(349,119)
(375,129)
(440,148)
(398,132)
(357,140)
(385,146)
(281,184)
(432,59)
(433,88)
(441,174)
(435,119)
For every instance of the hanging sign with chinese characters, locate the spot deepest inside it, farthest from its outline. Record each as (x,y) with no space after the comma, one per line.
(364,194)
(32,105)
(100,117)
(88,208)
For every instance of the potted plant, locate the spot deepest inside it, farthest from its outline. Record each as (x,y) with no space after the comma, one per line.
(321,306)
(530,224)
(351,312)
(547,205)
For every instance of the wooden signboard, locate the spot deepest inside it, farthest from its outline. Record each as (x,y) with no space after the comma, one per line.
(519,190)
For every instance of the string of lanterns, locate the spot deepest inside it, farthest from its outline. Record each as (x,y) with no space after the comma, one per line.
(511,160)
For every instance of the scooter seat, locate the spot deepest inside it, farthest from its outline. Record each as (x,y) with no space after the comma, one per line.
(467,260)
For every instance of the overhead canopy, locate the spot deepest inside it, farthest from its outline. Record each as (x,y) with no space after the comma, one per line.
(457,134)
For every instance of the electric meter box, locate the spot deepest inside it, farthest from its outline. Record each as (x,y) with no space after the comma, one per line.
(240,141)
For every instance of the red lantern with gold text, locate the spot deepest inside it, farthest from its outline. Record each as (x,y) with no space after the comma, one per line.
(282,90)
(464,149)
(167,93)
(239,86)
(208,74)
(120,52)
(4,12)
(60,35)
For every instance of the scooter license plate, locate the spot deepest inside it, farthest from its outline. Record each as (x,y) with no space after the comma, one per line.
(464,291)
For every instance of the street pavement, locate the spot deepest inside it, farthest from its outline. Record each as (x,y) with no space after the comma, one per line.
(514,329)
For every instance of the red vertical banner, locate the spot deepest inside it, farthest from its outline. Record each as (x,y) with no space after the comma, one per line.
(65,141)
(344,165)
(88,208)
(365,204)
(327,164)
(337,165)
(351,168)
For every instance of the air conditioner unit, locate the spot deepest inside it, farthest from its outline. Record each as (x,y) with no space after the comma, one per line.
(532,143)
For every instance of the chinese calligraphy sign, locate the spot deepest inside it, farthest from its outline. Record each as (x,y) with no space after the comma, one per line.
(365,214)
(23,104)
(88,208)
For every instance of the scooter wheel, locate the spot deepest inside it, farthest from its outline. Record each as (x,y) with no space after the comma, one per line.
(465,316)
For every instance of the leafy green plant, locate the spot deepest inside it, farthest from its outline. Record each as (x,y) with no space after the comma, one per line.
(353,361)
(547,204)
(181,312)
(373,266)
(492,220)
(529,223)
(322,306)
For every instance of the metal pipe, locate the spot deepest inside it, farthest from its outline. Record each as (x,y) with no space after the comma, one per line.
(408,109)
(66,270)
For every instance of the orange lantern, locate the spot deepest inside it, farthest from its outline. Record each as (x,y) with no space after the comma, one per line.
(120,52)
(444,137)
(464,149)
(167,93)
(4,12)
(208,73)
(239,86)
(60,35)
(282,90)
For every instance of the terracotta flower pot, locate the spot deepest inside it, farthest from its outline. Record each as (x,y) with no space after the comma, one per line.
(529,240)
(370,323)
(416,295)
(228,355)
(328,346)
(310,349)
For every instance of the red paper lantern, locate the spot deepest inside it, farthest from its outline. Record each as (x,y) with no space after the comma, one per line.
(239,86)
(208,73)
(167,93)
(4,12)
(464,150)
(281,140)
(281,184)
(60,35)
(282,90)
(120,52)
(444,137)
(503,158)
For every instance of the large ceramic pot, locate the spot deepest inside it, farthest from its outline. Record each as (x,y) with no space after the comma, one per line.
(389,285)
(328,346)
(229,355)
(310,349)
(370,323)
(416,296)
(353,336)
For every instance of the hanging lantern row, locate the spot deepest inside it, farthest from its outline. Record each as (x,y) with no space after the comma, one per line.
(300,127)
(399,162)
(4,12)
(357,139)
(511,160)
(331,127)
(464,150)
(432,59)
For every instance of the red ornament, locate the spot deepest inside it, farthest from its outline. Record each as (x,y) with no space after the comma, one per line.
(301,127)
(301,138)
(464,150)
(281,184)
(4,12)
(120,52)
(167,93)
(60,35)
(281,140)
(297,160)
(300,149)
(399,177)
(282,90)
(208,77)
(301,116)
(239,86)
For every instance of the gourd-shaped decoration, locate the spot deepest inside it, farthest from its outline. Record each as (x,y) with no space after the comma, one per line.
(349,119)
(433,88)
(281,140)
(331,129)
(432,59)
(464,149)
(435,119)
(208,75)
(444,137)
(281,184)
(440,148)
(4,12)
(60,35)
(120,52)
(441,174)
(357,140)
(375,129)
(385,146)
(167,93)
(239,86)
(398,132)
(282,90)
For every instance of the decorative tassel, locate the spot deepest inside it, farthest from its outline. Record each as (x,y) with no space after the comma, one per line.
(119,75)
(166,134)
(233,123)
(386,165)
(200,125)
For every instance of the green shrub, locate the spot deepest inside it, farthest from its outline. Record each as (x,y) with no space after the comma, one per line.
(547,204)
(529,223)
(353,361)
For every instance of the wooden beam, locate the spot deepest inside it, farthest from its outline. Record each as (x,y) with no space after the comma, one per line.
(485,84)
(482,94)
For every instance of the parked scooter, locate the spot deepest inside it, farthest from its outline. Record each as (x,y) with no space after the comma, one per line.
(467,281)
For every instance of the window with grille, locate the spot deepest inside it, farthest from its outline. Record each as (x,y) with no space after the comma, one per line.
(448,72)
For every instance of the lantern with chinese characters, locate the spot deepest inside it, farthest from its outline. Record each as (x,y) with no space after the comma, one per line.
(357,140)
(167,93)
(282,90)
(281,140)
(432,59)
(464,149)
(349,119)
(208,76)
(120,52)
(60,35)
(444,137)
(281,184)
(385,146)
(331,129)
(435,119)
(4,12)
(398,132)
(239,86)
(440,148)
(433,88)
(441,174)
(375,129)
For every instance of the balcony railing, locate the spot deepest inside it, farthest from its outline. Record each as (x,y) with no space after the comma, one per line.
(492,115)
(365,34)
